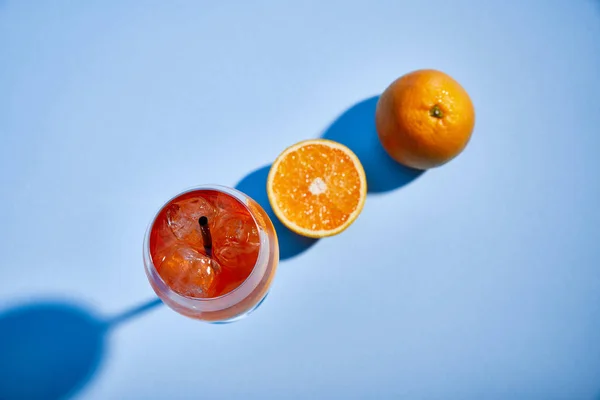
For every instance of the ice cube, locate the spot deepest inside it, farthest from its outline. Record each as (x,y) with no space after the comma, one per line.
(235,240)
(226,203)
(161,241)
(189,272)
(182,218)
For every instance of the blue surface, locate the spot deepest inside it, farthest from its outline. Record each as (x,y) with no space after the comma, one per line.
(477,280)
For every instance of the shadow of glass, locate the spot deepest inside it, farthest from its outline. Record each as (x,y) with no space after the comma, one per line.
(355,128)
(290,243)
(50,350)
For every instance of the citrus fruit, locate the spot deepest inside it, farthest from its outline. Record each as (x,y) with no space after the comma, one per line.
(424,119)
(317,187)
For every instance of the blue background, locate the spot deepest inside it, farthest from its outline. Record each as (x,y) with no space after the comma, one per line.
(477,280)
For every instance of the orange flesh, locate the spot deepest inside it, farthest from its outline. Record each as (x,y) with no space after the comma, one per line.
(317,187)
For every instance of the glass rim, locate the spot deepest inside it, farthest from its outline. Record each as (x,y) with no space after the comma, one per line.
(262,253)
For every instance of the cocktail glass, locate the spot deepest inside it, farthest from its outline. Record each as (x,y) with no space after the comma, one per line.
(220,283)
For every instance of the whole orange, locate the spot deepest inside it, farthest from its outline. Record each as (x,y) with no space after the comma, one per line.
(424,119)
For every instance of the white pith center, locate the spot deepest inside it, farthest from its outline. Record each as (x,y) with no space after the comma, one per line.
(318,186)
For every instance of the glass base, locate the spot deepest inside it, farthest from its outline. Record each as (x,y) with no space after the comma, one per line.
(242,316)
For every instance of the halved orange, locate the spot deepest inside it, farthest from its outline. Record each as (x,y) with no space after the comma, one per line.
(317,187)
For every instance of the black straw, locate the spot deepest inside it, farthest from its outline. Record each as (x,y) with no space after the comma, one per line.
(206,237)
